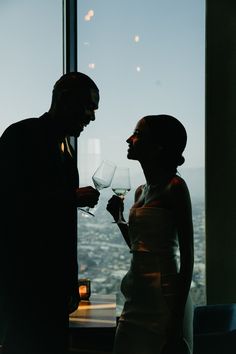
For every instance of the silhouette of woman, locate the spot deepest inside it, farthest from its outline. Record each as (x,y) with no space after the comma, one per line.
(157,314)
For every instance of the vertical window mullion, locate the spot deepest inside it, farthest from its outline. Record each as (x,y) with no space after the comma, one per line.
(70,44)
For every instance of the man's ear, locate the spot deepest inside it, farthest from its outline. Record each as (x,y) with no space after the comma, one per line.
(67,100)
(64,96)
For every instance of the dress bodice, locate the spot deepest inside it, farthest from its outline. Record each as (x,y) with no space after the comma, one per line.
(151,285)
(152,229)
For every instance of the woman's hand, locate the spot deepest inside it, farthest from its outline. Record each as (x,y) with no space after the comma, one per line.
(114,205)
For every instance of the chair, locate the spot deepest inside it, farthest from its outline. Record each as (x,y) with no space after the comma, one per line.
(214,328)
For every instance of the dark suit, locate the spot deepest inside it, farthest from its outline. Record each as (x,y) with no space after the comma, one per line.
(38,243)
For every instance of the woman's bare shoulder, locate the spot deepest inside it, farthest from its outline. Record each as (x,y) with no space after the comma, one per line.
(178,190)
(178,184)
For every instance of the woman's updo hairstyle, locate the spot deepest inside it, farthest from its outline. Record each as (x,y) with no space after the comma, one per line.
(171,137)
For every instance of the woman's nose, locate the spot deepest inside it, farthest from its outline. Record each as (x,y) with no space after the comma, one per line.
(129,139)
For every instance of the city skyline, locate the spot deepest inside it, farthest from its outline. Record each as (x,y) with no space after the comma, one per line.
(104,257)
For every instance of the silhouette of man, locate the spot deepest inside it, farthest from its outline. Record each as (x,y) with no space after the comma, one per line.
(39,194)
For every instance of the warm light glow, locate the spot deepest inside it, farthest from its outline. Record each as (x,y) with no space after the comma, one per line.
(91,66)
(90,320)
(136,39)
(97,306)
(89,15)
(83,290)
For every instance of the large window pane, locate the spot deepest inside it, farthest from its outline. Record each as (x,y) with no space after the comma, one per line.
(147,57)
(31,57)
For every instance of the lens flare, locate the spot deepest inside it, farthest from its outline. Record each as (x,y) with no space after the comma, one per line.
(89,15)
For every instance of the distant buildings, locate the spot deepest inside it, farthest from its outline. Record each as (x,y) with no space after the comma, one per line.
(104,257)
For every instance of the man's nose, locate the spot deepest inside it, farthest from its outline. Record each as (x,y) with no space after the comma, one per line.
(92,117)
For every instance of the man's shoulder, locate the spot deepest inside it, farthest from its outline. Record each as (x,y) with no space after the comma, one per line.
(23,127)
(23,124)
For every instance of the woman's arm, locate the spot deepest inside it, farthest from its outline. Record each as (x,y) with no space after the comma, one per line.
(183,215)
(113,206)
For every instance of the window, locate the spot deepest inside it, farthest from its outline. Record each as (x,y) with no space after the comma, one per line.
(31,57)
(146,58)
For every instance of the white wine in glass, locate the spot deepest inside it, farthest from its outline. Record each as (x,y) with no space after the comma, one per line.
(121,186)
(102,178)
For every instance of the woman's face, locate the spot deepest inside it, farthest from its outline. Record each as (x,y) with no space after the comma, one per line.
(141,144)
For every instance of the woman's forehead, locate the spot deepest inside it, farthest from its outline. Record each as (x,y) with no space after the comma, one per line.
(140,125)
(143,127)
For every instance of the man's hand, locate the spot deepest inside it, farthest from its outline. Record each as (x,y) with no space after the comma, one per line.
(87,196)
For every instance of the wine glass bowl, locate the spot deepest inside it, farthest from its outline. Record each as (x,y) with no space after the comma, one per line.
(103,175)
(102,178)
(121,186)
(120,192)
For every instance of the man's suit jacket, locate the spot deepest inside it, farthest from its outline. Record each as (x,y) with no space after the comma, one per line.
(38,227)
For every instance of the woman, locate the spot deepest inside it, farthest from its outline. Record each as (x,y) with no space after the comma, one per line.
(157,314)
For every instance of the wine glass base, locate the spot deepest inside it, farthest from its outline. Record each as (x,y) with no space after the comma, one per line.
(86,212)
(120,222)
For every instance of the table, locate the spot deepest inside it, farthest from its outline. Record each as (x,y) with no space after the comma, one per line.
(93,324)
(99,311)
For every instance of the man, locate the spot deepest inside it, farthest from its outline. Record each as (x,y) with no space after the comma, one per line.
(39,196)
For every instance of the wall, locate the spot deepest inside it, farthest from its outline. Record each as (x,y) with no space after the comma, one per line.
(221,151)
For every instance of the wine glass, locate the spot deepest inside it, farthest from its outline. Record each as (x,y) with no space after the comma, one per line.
(102,178)
(120,186)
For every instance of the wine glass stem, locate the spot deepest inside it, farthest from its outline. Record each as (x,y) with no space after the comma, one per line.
(120,215)
(120,220)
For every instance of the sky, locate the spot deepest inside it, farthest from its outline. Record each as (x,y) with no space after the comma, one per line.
(146,56)
(169,55)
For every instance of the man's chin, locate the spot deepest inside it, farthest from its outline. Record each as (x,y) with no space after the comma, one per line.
(76,135)
(129,156)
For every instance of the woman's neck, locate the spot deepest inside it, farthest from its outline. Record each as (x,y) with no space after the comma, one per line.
(156,175)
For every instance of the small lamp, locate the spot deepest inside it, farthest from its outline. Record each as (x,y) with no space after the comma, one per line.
(84,288)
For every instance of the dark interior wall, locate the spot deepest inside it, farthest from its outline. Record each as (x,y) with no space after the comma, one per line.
(221,151)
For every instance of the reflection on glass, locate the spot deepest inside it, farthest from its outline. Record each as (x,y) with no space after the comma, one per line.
(148,59)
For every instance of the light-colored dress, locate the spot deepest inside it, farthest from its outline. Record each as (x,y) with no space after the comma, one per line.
(149,286)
